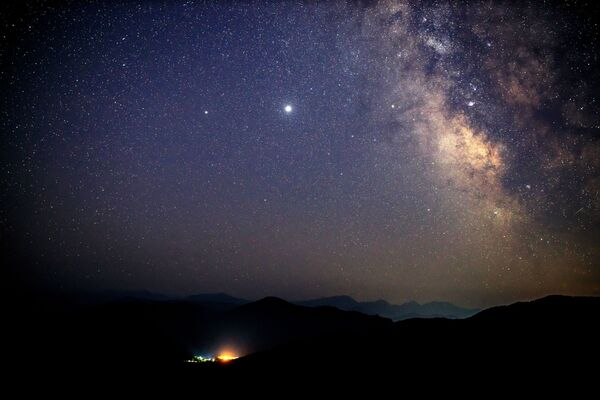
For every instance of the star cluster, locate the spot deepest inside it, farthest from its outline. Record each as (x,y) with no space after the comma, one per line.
(394,149)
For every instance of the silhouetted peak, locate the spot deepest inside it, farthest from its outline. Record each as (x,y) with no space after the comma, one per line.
(343,302)
(269,302)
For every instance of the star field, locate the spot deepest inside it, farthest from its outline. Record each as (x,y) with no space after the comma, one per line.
(398,150)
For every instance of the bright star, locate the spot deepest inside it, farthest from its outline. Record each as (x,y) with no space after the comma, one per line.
(288,108)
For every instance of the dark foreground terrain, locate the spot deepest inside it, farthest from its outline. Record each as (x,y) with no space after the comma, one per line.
(555,336)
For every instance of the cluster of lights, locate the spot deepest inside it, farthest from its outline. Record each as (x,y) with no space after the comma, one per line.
(221,358)
(200,359)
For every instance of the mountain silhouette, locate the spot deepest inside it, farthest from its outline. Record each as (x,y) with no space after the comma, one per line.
(396,312)
(272,321)
(539,335)
(220,300)
(272,336)
(342,302)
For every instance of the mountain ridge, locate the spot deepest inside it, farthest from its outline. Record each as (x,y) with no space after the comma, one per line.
(396,312)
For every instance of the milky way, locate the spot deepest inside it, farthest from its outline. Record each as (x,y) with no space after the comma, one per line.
(397,150)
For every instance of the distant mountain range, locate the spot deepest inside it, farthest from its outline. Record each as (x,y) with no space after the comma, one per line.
(395,312)
(412,309)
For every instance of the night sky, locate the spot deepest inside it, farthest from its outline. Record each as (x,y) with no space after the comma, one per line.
(396,150)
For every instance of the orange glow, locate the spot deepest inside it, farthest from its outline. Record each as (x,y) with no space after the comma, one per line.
(226,357)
